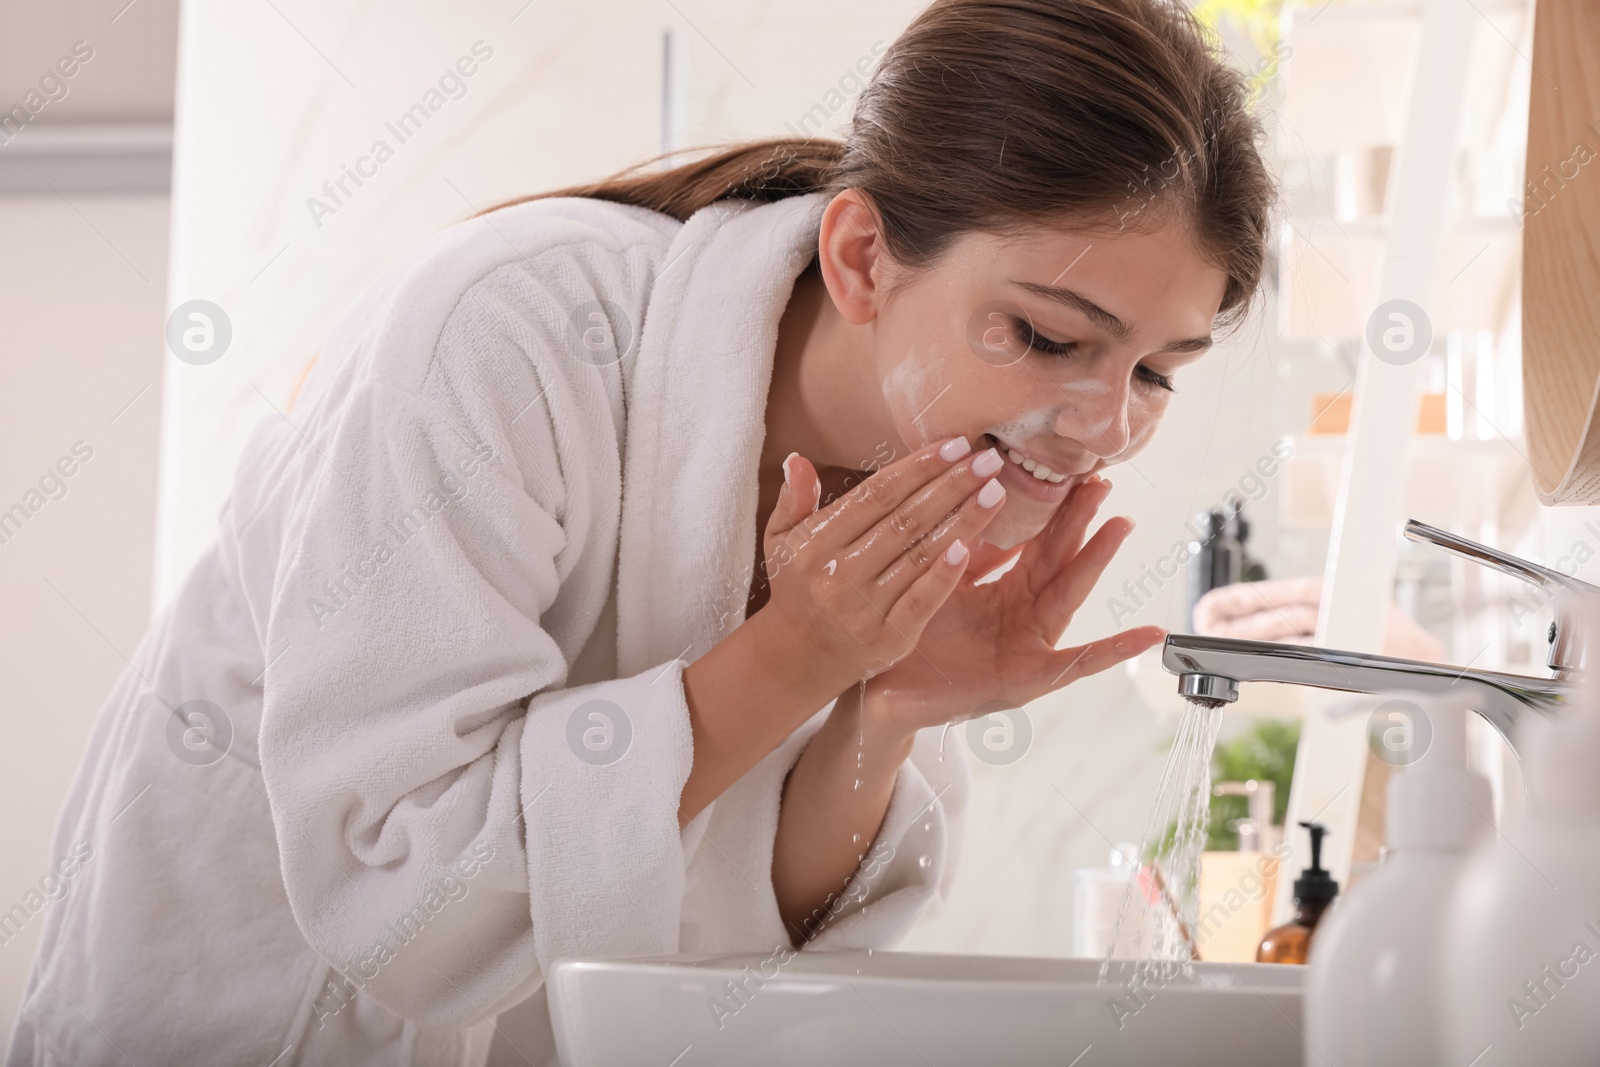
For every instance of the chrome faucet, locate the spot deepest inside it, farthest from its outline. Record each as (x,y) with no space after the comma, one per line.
(1209,669)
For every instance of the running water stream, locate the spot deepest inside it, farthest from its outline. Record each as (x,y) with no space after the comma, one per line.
(1169,858)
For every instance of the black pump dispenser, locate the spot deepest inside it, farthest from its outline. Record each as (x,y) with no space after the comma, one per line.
(1315,883)
(1314,892)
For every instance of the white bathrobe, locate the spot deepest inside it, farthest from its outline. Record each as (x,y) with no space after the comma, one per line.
(442,634)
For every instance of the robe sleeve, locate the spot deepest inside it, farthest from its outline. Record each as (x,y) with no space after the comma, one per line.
(426,555)
(904,878)
(451,815)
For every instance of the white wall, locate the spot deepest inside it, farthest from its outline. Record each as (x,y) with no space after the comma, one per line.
(129,78)
(81,303)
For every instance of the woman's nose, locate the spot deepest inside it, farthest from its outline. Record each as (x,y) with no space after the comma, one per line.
(1094,412)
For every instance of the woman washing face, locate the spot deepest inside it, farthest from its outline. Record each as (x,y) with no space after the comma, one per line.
(1037,360)
(624,550)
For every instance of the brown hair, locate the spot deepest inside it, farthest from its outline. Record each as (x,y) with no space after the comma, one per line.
(992,115)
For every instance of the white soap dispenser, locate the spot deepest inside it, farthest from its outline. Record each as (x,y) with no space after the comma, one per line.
(1371,990)
(1522,978)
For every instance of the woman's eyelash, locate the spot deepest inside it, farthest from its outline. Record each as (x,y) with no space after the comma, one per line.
(1156,379)
(1032,339)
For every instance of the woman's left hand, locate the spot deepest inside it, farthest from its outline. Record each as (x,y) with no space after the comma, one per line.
(994,645)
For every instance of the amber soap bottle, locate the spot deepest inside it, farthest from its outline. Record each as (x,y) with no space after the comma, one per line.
(1314,890)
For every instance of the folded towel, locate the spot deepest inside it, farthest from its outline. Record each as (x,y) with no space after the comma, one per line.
(1286,610)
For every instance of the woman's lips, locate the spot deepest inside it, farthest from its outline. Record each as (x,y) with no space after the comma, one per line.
(1018,480)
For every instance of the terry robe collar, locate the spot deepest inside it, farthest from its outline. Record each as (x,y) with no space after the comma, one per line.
(696,422)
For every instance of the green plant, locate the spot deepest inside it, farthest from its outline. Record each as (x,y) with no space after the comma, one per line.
(1265,752)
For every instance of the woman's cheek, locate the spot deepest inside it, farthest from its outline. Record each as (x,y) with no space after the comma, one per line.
(909,391)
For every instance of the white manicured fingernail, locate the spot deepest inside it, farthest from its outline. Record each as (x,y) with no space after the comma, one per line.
(955,553)
(991,493)
(788,475)
(954,449)
(987,463)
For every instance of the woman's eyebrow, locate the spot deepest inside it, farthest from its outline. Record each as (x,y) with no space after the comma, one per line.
(1103,318)
(1078,302)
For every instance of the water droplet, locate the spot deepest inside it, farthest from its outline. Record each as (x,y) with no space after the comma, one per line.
(858,783)
(924,862)
(869,951)
(855,839)
(928,825)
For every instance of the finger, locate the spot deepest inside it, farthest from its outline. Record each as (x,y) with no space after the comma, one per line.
(929,591)
(1070,664)
(846,519)
(1067,590)
(1063,537)
(964,525)
(878,548)
(798,497)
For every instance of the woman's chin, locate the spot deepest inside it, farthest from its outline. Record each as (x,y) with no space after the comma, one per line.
(1018,521)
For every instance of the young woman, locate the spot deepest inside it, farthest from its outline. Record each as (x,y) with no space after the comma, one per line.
(622,556)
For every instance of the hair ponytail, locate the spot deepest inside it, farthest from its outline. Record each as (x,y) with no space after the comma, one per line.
(755,170)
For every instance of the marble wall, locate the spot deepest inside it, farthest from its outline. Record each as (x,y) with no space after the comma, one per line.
(279,103)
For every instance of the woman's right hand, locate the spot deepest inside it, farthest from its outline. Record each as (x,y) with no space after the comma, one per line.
(853,584)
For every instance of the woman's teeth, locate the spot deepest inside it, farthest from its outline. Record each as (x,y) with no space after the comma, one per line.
(1038,470)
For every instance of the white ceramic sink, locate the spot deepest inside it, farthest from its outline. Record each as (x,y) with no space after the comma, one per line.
(887,1009)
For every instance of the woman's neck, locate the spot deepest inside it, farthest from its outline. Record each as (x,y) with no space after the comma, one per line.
(825,402)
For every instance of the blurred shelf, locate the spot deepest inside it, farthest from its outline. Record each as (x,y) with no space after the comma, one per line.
(112,158)
(1454,484)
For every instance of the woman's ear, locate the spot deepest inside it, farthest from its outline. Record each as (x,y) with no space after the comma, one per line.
(852,256)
